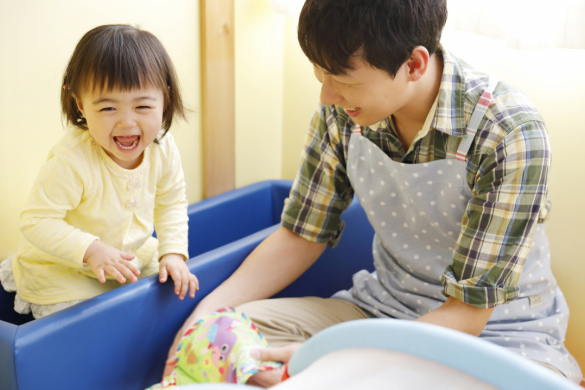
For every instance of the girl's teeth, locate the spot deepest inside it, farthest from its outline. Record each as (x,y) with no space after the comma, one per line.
(127,147)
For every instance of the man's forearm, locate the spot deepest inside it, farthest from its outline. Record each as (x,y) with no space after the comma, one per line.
(274,264)
(460,316)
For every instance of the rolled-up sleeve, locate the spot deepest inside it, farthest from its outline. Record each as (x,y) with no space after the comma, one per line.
(321,190)
(498,226)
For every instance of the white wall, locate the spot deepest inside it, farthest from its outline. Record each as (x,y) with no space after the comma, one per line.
(37,38)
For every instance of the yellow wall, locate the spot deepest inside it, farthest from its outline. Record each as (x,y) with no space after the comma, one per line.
(301,97)
(37,38)
(259,91)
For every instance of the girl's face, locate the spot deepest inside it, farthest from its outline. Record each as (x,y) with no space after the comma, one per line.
(123,123)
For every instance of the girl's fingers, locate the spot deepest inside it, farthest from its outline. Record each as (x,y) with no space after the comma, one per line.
(132,268)
(100,275)
(163,275)
(180,285)
(128,272)
(113,271)
(183,278)
(127,256)
(184,284)
(181,282)
(193,285)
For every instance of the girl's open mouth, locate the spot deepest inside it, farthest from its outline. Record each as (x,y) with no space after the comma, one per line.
(127,143)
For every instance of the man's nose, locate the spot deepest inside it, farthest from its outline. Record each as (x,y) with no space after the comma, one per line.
(329,93)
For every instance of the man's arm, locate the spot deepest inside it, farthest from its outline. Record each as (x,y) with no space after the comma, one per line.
(279,260)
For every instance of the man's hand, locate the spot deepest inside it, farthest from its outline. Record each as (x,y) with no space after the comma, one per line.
(174,265)
(279,354)
(103,259)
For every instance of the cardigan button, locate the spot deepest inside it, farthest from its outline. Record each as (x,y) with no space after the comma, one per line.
(134,184)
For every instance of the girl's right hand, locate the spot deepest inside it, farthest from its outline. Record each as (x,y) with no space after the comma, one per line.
(103,259)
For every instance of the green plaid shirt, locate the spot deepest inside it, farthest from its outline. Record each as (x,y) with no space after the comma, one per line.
(507,165)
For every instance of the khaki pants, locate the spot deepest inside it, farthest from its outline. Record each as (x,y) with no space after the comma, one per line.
(287,320)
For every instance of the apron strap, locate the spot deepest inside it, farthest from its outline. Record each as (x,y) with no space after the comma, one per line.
(478,113)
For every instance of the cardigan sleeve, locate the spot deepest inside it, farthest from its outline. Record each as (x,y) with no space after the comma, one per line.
(170,213)
(57,190)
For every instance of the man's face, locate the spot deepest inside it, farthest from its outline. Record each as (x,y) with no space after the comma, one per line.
(367,94)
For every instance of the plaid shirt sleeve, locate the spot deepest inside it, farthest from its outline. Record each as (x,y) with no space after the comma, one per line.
(510,189)
(321,190)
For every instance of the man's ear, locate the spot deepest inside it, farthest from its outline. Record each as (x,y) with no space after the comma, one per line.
(418,63)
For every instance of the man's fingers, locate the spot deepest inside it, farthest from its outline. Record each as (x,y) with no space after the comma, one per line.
(168,370)
(170,362)
(280,354)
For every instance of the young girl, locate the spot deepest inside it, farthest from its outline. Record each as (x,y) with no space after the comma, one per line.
(88,223)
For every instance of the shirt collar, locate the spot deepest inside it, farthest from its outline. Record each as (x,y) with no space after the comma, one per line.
(448,111)
(450,117)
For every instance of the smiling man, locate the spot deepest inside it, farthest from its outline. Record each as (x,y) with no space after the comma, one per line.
(451,167)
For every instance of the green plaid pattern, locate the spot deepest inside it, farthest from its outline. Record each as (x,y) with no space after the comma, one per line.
(508,166)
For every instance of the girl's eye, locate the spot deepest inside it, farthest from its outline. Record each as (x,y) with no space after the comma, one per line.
(107,109)
(143,107)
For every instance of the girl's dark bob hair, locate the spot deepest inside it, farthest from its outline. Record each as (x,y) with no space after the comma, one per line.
(119,57)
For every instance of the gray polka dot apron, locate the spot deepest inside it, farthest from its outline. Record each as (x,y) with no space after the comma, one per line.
(416,212)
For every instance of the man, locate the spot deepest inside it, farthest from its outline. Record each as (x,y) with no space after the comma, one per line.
(452,169)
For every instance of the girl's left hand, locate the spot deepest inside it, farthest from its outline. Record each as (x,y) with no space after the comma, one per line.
(174,265)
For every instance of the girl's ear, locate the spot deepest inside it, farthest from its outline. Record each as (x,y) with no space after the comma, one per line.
(418,63)
(78,102)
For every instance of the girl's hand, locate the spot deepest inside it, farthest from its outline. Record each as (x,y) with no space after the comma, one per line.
(174,265)
(103,259)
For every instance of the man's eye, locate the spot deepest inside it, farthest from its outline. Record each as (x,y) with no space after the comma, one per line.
(342,84)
